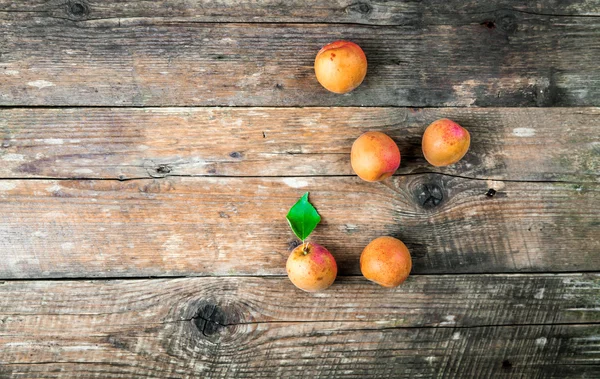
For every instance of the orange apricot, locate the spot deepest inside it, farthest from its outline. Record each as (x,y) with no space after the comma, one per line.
(374,156)
(386,261)
(340,66)
(311,267)
(445,142)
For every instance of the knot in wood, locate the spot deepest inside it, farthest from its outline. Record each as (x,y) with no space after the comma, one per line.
(163,169)
(211,318)
(360,8)
(77,9)
(235,154)
(430,195)
(507,22)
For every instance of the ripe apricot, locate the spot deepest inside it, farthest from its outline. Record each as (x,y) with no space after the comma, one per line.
(374,156)
(445,142)
(311,267)
(341,66)
(386,261)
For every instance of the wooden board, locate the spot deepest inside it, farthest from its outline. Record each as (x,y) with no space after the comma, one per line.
(509,144)
(451,326)
(372,12)
(237,226)
(492,57)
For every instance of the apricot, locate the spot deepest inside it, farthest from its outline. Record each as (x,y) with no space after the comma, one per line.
(445,142)
(386,261)
(311,267)
(374,156)
(341,66)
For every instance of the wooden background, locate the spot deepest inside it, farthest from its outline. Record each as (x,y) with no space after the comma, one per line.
(149,151)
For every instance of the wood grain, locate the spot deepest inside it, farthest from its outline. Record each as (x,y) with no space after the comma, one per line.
(263,327)
(371,12)
(506,143)
(493,57)
(236,226)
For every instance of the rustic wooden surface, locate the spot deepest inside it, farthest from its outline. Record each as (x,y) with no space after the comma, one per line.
(483,325)
(150,150)
(532,144)
(237,226)
(152,53)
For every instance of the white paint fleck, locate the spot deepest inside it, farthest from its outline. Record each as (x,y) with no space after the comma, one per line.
(53,141)
(7,186)
(83,171)
(523,132)
(450,319)
(40,234)
(67,246)
(142,147)
(431,359)
(456,336)
(173,243)
(80,347)
(40,84)
(495,184)
(295,183)
(541,341)
(13,157)
(74,141)
(11,72)
(53,188)
(539,294)
(54,215)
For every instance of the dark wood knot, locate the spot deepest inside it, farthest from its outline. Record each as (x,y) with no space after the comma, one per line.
(360,8)
(78,9)
(157,170)
(430,195)
(163,169)
(211,318)
(508,23)
(235,154)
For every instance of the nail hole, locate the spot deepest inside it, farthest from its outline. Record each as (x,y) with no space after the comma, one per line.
(491,192)
(489,24)
(506,364)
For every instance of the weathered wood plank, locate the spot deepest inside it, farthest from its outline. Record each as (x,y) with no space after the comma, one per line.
(507,143)
(371,12)
(423,300)
(481,59)
(264,327)
(236,226)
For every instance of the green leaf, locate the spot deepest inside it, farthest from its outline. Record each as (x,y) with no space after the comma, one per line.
(303,217)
